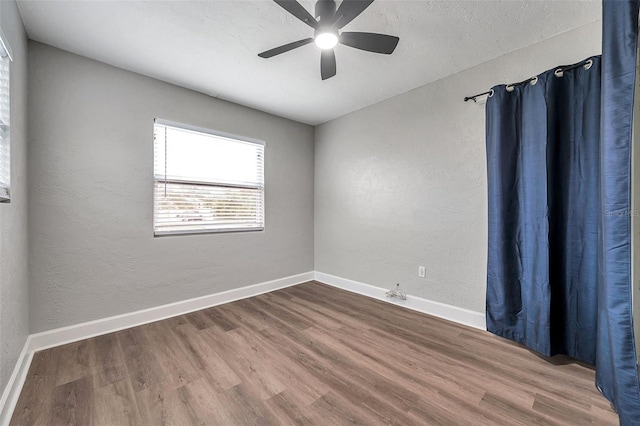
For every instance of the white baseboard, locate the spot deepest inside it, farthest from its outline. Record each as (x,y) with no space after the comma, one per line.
(73,333)
(14,386)
(441,310)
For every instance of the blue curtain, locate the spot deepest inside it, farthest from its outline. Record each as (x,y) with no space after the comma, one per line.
(616,371)
(543,157)
(559,169)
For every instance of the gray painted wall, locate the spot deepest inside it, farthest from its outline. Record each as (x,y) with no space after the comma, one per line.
(403,183)
(92,248)
(14,296)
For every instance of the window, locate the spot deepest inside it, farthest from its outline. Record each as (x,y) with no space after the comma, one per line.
(5,106)
(206,181)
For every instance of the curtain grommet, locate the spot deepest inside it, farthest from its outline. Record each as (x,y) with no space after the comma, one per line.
(534,80)
(491,92)
(558,72)
(509,87)
(588,64)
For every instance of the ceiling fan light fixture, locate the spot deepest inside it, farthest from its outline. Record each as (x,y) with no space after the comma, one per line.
(326,40)
(327,23)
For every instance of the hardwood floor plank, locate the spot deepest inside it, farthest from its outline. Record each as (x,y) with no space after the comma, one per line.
(306,355)
(235,311)
(159,405)
(246,407)
(518,414)
(73,403)
(415,374)
(139,358)
(206,402)
(199,320)
(249,369)
(333,410)
(211,365)
(603,416)
(290,375)
(561,410)
(170,356)
(75,361)
(354,387)
(109,365)
(220,320)
(275,310)
(437,368)
(317,317)
(432,415)
(36,399)
(325,312)
(115,405)
(469,412)
(287,411)
(374,373)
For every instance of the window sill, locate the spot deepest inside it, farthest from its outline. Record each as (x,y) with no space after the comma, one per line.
(205,231)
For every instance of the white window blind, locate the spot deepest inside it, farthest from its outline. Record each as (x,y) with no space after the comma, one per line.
(206,181)
(5,107)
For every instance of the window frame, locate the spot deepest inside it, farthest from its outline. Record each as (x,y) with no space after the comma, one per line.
(6,57)
(214,133)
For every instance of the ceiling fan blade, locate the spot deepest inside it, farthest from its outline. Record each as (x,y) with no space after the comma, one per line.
(328,64)
(297,10)
(284,48)
(372,42)
(348,10)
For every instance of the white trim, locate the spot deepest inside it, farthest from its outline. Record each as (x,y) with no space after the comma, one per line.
(190,128)
(441,310)
(73,333)
(4,46)
(14,386)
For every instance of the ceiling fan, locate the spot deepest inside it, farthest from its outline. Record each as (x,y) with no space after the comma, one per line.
(327,31)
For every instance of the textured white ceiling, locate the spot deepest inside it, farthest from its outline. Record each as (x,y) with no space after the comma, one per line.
(212,46)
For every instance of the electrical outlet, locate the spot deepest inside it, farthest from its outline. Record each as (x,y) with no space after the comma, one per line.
(422,271)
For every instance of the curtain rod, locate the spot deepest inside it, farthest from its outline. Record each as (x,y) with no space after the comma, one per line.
(558,73)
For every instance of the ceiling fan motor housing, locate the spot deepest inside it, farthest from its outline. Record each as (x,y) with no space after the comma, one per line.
(325,11)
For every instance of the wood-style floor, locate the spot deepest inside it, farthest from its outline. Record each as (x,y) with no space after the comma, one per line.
(309,354)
